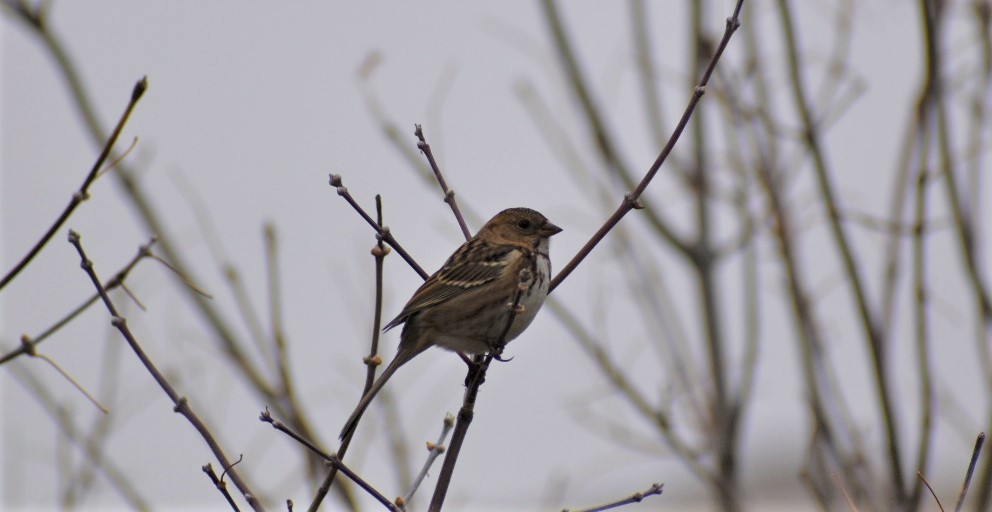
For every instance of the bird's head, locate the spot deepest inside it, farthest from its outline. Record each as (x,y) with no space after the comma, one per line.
(518,226)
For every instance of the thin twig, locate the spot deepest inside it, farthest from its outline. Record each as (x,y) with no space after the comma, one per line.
(221,485)
(929,488)
(114,282)
(632,199)
(847,496)
(637,497)
(83,193)
(449,195)
(434,450)
(971,471)
(372,361)
(605,146)
(25,341)
(382,230)
(181,403)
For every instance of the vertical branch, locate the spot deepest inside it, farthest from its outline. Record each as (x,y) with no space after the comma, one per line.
(117,478)
(646,70)
(605,145)
(372,361)
(920,314)
(934,20)
(275,313)
(870,327)
(704,263)
(473,382)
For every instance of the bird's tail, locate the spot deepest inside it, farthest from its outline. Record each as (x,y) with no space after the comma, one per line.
(400,359)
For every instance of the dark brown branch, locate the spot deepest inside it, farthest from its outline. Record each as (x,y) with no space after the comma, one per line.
(114,282)
(473,381)
(382,230)
(971,471)
(181,403)
(221,485)
(449,195)
(372,361)
(83,193)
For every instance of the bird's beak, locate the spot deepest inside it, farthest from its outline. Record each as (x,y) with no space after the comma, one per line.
(549,229)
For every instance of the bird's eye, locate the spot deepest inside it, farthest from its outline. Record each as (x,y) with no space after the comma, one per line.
(523,223)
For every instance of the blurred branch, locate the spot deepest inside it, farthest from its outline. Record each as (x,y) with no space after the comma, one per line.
(601,135)
(117,478)
(870,327)
(922,328)
(647,74)
(231,345)
(618,377)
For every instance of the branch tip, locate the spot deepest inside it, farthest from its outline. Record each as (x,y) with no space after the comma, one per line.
(139,89)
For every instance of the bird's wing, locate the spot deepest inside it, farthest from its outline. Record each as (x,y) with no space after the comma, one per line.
(474,264)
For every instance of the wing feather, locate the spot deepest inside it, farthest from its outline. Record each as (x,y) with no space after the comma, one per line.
(474,264)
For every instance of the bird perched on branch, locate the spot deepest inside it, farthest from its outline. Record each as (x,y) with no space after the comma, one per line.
(466,305)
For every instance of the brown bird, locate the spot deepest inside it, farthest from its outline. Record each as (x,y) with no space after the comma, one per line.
(465,306)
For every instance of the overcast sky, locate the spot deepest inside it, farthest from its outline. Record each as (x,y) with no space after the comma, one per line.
(249,108)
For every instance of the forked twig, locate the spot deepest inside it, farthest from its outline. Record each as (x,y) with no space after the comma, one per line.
(83,193)
(221,485)
(114,282)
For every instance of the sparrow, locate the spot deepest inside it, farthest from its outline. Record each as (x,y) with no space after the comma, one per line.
(465,306)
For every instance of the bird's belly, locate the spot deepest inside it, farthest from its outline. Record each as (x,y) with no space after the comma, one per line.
(477,334)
